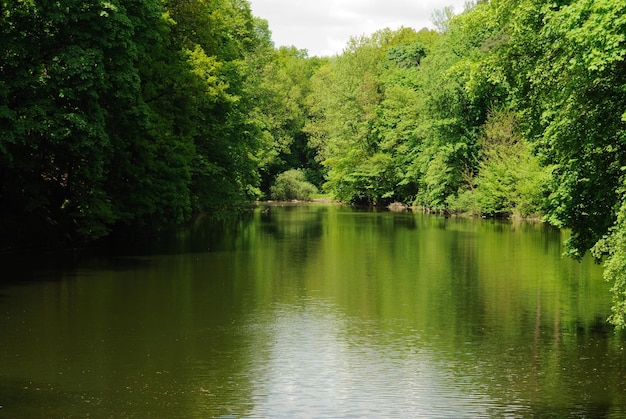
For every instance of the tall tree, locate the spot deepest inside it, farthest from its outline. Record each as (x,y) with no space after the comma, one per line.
(120,115)
(283,87)
(216,38)
(452,108)
(71,88)
(568,65)
(349,121)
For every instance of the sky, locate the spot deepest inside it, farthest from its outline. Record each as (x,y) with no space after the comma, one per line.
(323,27)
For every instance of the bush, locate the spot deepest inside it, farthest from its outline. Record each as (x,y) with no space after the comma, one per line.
(464,203)
(292,184)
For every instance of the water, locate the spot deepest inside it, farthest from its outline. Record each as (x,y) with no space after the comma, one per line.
(314,311)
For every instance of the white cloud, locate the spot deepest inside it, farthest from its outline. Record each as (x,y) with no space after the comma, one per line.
(323,27)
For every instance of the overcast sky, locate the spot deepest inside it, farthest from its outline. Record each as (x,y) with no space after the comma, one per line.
(323,27)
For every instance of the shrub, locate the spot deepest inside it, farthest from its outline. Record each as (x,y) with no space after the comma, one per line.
(292,184)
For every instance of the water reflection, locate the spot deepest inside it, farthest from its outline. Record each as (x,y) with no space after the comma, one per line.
(317,311)
(318,365)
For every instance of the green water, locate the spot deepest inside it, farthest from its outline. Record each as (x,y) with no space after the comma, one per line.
(313,311)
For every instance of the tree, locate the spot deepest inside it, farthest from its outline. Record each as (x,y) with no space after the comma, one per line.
(353,121)
(567,67)
(441,18)
(280,105)
(149,173)
(455,97)
(217,39)
(510,180)
(124,116)
(70,90)
(572,97)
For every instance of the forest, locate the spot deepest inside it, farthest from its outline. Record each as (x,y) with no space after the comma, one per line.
(122,116)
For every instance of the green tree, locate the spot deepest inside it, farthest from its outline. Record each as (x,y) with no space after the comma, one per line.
(511,181)
(149,172)
(72,105)
(280,105)
(566,63)
(350,120)
(217,39)
(123,116)
(455,96)
(399,113)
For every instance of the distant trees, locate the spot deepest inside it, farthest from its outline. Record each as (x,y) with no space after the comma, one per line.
(511,181)
(281,108)
(363,115)
(398,116)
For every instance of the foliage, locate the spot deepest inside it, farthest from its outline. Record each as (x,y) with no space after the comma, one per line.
(567,63)
(573,97)
(455,98)
(123,115)
(292,184)
(218,39)
(362,118)
(612,247)
(510,180)
(71,102)
(282,111)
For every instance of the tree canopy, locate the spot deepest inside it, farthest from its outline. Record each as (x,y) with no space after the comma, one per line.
(125,114)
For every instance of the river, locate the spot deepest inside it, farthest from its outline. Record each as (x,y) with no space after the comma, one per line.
(311,311)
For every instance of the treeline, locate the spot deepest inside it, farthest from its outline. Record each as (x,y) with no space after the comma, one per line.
(514,107)
(121,115)
(124,115)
